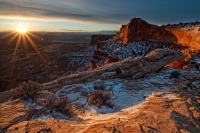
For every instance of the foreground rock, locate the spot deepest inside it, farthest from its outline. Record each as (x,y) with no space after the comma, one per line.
(13,112)
(161,113)
(134,68)
(38,126)
(157,103)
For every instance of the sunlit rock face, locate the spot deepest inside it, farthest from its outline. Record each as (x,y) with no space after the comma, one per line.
(177,64)
(135,30)
(138,29)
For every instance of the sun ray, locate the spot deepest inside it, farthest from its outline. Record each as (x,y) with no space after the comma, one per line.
(7,35)
(40,53)
(39,38)
(10,41)
(25,44)
(22,26)
(21,39)
(14,57)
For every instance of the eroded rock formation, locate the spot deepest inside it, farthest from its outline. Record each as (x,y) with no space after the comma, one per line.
(138,29)
(135,68)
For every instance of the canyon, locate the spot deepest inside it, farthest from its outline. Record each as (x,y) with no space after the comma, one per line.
(143,79)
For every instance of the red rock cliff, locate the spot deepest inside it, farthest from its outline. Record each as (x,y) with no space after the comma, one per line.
(138,29)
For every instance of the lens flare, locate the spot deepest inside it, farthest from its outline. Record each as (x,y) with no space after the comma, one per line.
(21,29)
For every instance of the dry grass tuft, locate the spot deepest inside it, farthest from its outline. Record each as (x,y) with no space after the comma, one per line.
(27,90)
(99,98)
(175,74)
(60,104)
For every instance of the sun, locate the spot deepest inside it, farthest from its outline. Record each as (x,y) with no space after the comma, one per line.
(21,29)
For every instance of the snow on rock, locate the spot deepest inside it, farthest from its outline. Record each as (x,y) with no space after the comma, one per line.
(123,99)
(197,59)
(101,110)
(131,49)
(129,67)
(117,50)
(132,100)
(83,58)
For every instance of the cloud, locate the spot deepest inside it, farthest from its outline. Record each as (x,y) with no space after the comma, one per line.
(66,10)
(104,11)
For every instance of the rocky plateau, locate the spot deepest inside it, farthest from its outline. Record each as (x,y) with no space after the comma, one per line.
(146,79)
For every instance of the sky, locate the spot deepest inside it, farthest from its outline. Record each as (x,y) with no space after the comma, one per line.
(92,15)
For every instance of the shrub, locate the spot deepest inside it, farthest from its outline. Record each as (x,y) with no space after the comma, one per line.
(99,98)
(60,104)
(27,90)
(196,65)
(99,86)
(175,74)
(118,70)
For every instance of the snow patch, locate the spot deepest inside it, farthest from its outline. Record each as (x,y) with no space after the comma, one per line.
(101,110)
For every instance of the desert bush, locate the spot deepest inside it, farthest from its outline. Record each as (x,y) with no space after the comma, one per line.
(60,104)
(99,86)
(27,90)
(118,70)
(175,74)
(99,98)
(196,65)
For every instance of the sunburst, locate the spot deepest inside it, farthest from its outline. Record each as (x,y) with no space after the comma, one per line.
(21,29)
(23,38)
